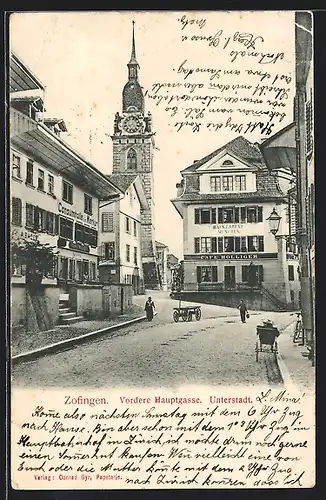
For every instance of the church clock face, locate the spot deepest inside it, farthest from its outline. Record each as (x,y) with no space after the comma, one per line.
(132,124)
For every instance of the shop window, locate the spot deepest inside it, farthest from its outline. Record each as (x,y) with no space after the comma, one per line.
(50,184)
(107,222)
(85,269)
(66,228)
(228,215)
(30,173)
(291,272)
(93,271)
(88,204)
(67,192)
(40,180)
(215,184)
(71,269)
(16,217)
(207,274)
(128,253)
(79,270)
(16,170)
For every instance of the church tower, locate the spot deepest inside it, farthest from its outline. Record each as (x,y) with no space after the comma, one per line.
(133,144)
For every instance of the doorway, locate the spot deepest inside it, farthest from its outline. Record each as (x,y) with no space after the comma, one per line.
(229,276)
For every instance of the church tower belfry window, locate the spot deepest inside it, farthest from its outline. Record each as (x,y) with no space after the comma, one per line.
(132,159)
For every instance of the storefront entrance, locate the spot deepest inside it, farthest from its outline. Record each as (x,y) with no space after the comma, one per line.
(229,276)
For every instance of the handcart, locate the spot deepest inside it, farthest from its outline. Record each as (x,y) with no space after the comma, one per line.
(186,313)
(267,336)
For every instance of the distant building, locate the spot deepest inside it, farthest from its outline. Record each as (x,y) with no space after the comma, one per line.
(172,261)
(225,199)
(162,264)
(120,259)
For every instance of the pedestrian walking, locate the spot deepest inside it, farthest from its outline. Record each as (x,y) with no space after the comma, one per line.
(243,311)
(149,309)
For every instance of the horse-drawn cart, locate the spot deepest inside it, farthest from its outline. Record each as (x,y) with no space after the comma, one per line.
(186,313)
(267,334)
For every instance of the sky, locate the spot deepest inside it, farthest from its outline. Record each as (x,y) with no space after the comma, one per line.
(81,58)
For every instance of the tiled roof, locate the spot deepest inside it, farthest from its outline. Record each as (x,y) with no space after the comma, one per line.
(240,146)
(122,181)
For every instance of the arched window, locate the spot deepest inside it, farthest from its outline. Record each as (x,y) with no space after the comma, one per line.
(227,163)
(132,159)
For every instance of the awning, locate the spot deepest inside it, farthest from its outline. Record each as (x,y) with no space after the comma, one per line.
(35,139)
(279,151)
(21,77)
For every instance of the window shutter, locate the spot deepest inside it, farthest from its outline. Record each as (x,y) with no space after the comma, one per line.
(260,214)
(102,250)
(260,243)
(197,245)
(56,225)
(36,214)
(213,215)
(105,220)
(220,215)
(214,274)
(198,274)
(197,216)
(237,214)
(214,244)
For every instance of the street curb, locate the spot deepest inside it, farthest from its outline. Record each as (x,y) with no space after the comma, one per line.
(30,355)
(284,372)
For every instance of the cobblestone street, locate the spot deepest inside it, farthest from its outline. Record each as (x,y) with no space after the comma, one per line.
(217,350)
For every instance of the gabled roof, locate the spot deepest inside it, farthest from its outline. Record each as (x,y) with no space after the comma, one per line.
(239,146)
(124,181)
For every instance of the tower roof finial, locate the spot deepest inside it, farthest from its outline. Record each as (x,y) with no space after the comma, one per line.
(133,59)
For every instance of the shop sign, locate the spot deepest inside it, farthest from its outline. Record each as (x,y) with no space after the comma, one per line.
(80,247)
(76,215)
(231,256)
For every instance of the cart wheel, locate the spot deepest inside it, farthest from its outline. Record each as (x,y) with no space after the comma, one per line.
(189,316)
(176,316)
(184,316)
(198,314)
(257,349)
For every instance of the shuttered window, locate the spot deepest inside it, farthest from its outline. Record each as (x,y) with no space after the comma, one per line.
(16,211)
(107,222)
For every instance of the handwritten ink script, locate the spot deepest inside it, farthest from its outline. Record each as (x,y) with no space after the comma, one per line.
(247,88)
(261,440)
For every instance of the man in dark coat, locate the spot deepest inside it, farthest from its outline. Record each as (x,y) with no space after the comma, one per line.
(149,309)
(243,311)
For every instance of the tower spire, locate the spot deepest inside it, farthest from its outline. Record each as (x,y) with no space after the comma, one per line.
(133,60)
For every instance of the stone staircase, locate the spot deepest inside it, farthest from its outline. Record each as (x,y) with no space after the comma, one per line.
(66,315)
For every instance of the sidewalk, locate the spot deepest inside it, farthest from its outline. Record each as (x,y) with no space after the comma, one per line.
(296,369)
(25,342)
